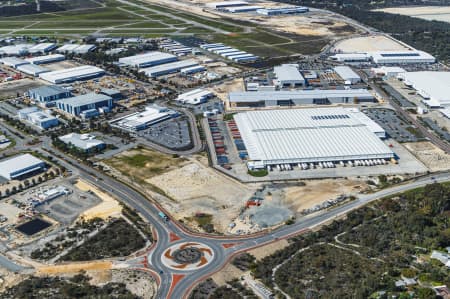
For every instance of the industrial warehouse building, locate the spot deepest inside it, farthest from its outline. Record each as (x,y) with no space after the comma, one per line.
(85,142)
(32,69)
(13,61)
(142,120)
(224,4)
(274,137)
(46,59)
(401,57)
(168,68)
(47,95)
(288,10)
(37,117)
(245,8)
(351,57)
(21,166)
(86,105)
(347,74)
(229,52)
(23,49)
(433,87)
(387,57)
(148,59)
(195,97)
(72,74)
(387,71)
(298,97)
(288,75)
(76,48)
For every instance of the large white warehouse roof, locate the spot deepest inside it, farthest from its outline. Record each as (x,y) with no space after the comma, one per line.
(19,165)
(388,57)
(45,58)
(148,59)
(433,86)
(308,135)
(72,74)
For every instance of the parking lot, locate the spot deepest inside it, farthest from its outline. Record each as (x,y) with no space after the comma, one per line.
(173,134)
(395,126)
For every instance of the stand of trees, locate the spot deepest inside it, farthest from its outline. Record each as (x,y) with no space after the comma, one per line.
(380,243)
(58,287)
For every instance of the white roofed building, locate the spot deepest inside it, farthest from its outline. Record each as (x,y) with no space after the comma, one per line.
(85,142)
(20,166)
(72,74)
(195,97)
(347,74)
(274,137)
(298,97)
(32,69)
(148,59)
(45,59)
(141,120)
(434,87)
(288,75)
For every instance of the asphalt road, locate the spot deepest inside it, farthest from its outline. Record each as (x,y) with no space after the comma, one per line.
(149,211)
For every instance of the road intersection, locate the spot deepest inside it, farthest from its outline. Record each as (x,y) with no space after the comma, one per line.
(177,282)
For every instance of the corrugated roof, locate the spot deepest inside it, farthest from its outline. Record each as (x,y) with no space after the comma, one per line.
(256,96)
(85,99)
(326,134)
(48,90)
(18,163)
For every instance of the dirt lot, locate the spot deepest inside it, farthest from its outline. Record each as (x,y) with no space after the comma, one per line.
(316,25)
(318,191)
(222,90)
(12,88)
(107,208)
(196,188)
(74,268)
(368,43)
(430,155)
(438,13)
(140,164)
(261,252)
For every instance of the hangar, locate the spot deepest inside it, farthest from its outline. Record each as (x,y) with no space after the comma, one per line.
(274,137)
(20,166)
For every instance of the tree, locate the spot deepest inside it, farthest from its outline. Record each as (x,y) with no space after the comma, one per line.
(426,293)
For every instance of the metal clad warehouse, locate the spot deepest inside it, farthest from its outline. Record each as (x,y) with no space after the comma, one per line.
(148,59)
(19,166)
(309,136)
(298,97)
(72,74)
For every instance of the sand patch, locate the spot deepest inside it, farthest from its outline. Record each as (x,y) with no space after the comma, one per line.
(430,155)
(368,43)
(107,208)
(197,188)
(74,268)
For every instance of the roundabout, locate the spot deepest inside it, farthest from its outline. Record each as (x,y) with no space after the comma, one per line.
(187,256)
